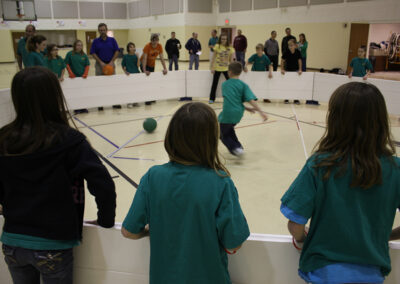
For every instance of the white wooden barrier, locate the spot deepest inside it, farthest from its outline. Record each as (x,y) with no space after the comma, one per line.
(105,257)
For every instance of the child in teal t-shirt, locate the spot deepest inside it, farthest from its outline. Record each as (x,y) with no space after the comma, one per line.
(235,92)
(36,46)
(351,191)
(260,61)
(189,206)
(77,61)
(360,66)
(130,62)
(54,62)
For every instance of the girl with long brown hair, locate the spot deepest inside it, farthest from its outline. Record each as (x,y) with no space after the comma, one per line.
(35,46)
(44,163)
(222,57)
(54,62)
(350,188)
(189,206)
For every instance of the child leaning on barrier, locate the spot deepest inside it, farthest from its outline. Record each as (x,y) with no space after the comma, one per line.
(350,189)
(360,66)
(189,206)
(44,163)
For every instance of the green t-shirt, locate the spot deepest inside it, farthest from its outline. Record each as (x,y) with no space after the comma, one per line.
(360,66)
(348,225)
(56,65)
(213,41)
(260,63)
(77,62)
(35,59)
(193,214)
(36,243)
(129,61)
(235,93)
(303,49)
(22,51)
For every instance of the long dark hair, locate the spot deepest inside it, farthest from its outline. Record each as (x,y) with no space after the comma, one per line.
(358,132)
(41,113)
(304,36)
(227,40)
(32,41)
(50,48)
(192,137)
(74,47)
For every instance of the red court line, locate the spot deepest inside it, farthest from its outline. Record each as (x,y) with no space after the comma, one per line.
(154,142)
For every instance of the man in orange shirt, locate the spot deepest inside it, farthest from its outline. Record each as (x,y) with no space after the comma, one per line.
(150,53)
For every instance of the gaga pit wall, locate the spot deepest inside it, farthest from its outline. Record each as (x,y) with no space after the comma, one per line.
(106,257)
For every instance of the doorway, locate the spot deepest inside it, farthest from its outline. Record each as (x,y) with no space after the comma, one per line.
(358,37)
(230,31)
(16,36)
(90,36)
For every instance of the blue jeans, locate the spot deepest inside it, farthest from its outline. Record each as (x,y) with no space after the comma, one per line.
(228,136)
(26,266)
(173,60)
(240,56)
(304,64)
(194,58)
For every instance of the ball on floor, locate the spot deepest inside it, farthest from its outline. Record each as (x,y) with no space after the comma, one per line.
(149,124)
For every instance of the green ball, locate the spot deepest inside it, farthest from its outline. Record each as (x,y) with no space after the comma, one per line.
(149,124)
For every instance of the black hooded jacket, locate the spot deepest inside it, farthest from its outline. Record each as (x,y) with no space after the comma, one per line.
(43,193)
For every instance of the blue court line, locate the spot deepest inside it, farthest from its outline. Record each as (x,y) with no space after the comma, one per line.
(128,158)
(98,133)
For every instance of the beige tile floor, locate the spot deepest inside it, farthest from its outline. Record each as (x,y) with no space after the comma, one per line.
(274,152)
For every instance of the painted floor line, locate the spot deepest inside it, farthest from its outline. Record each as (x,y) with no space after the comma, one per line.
(96,132)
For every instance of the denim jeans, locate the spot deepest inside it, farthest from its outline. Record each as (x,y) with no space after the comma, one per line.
(26,266)
(173,60)
(194,58)
(228,136)
(304,64)
(274,59)
(240,57)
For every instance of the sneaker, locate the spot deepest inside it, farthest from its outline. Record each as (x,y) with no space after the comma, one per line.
(286,101)
(210,102)
(147,103)
(78,111)
(296,102)
(100,108)
(238,152)
(117,106)
(267,101)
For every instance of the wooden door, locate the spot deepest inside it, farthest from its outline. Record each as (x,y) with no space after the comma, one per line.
(227,31)
(358,37)
(90,36)
(16,36)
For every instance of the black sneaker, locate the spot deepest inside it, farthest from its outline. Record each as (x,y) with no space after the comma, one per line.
(116,106)
(147,103)
(296,102)
(286,101)
(100,108)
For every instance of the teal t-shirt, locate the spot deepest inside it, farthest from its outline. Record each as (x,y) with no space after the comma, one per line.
(35,59)
(213,41)
(56,65)
(348,225)
(22,51)
(260,63)
(36,243)
(303,49)
(360,66)
(235,93)
(77,62)
(129,61)
(193,214)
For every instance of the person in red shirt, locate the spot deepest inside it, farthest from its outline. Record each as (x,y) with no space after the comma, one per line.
(240,46)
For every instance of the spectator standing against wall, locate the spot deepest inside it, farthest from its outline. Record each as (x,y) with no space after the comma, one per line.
(271,50)
(193,45)
(285,40)
(240,46)
(172,47)
(104,50)
(212,42)
(22,52)
(302,46)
